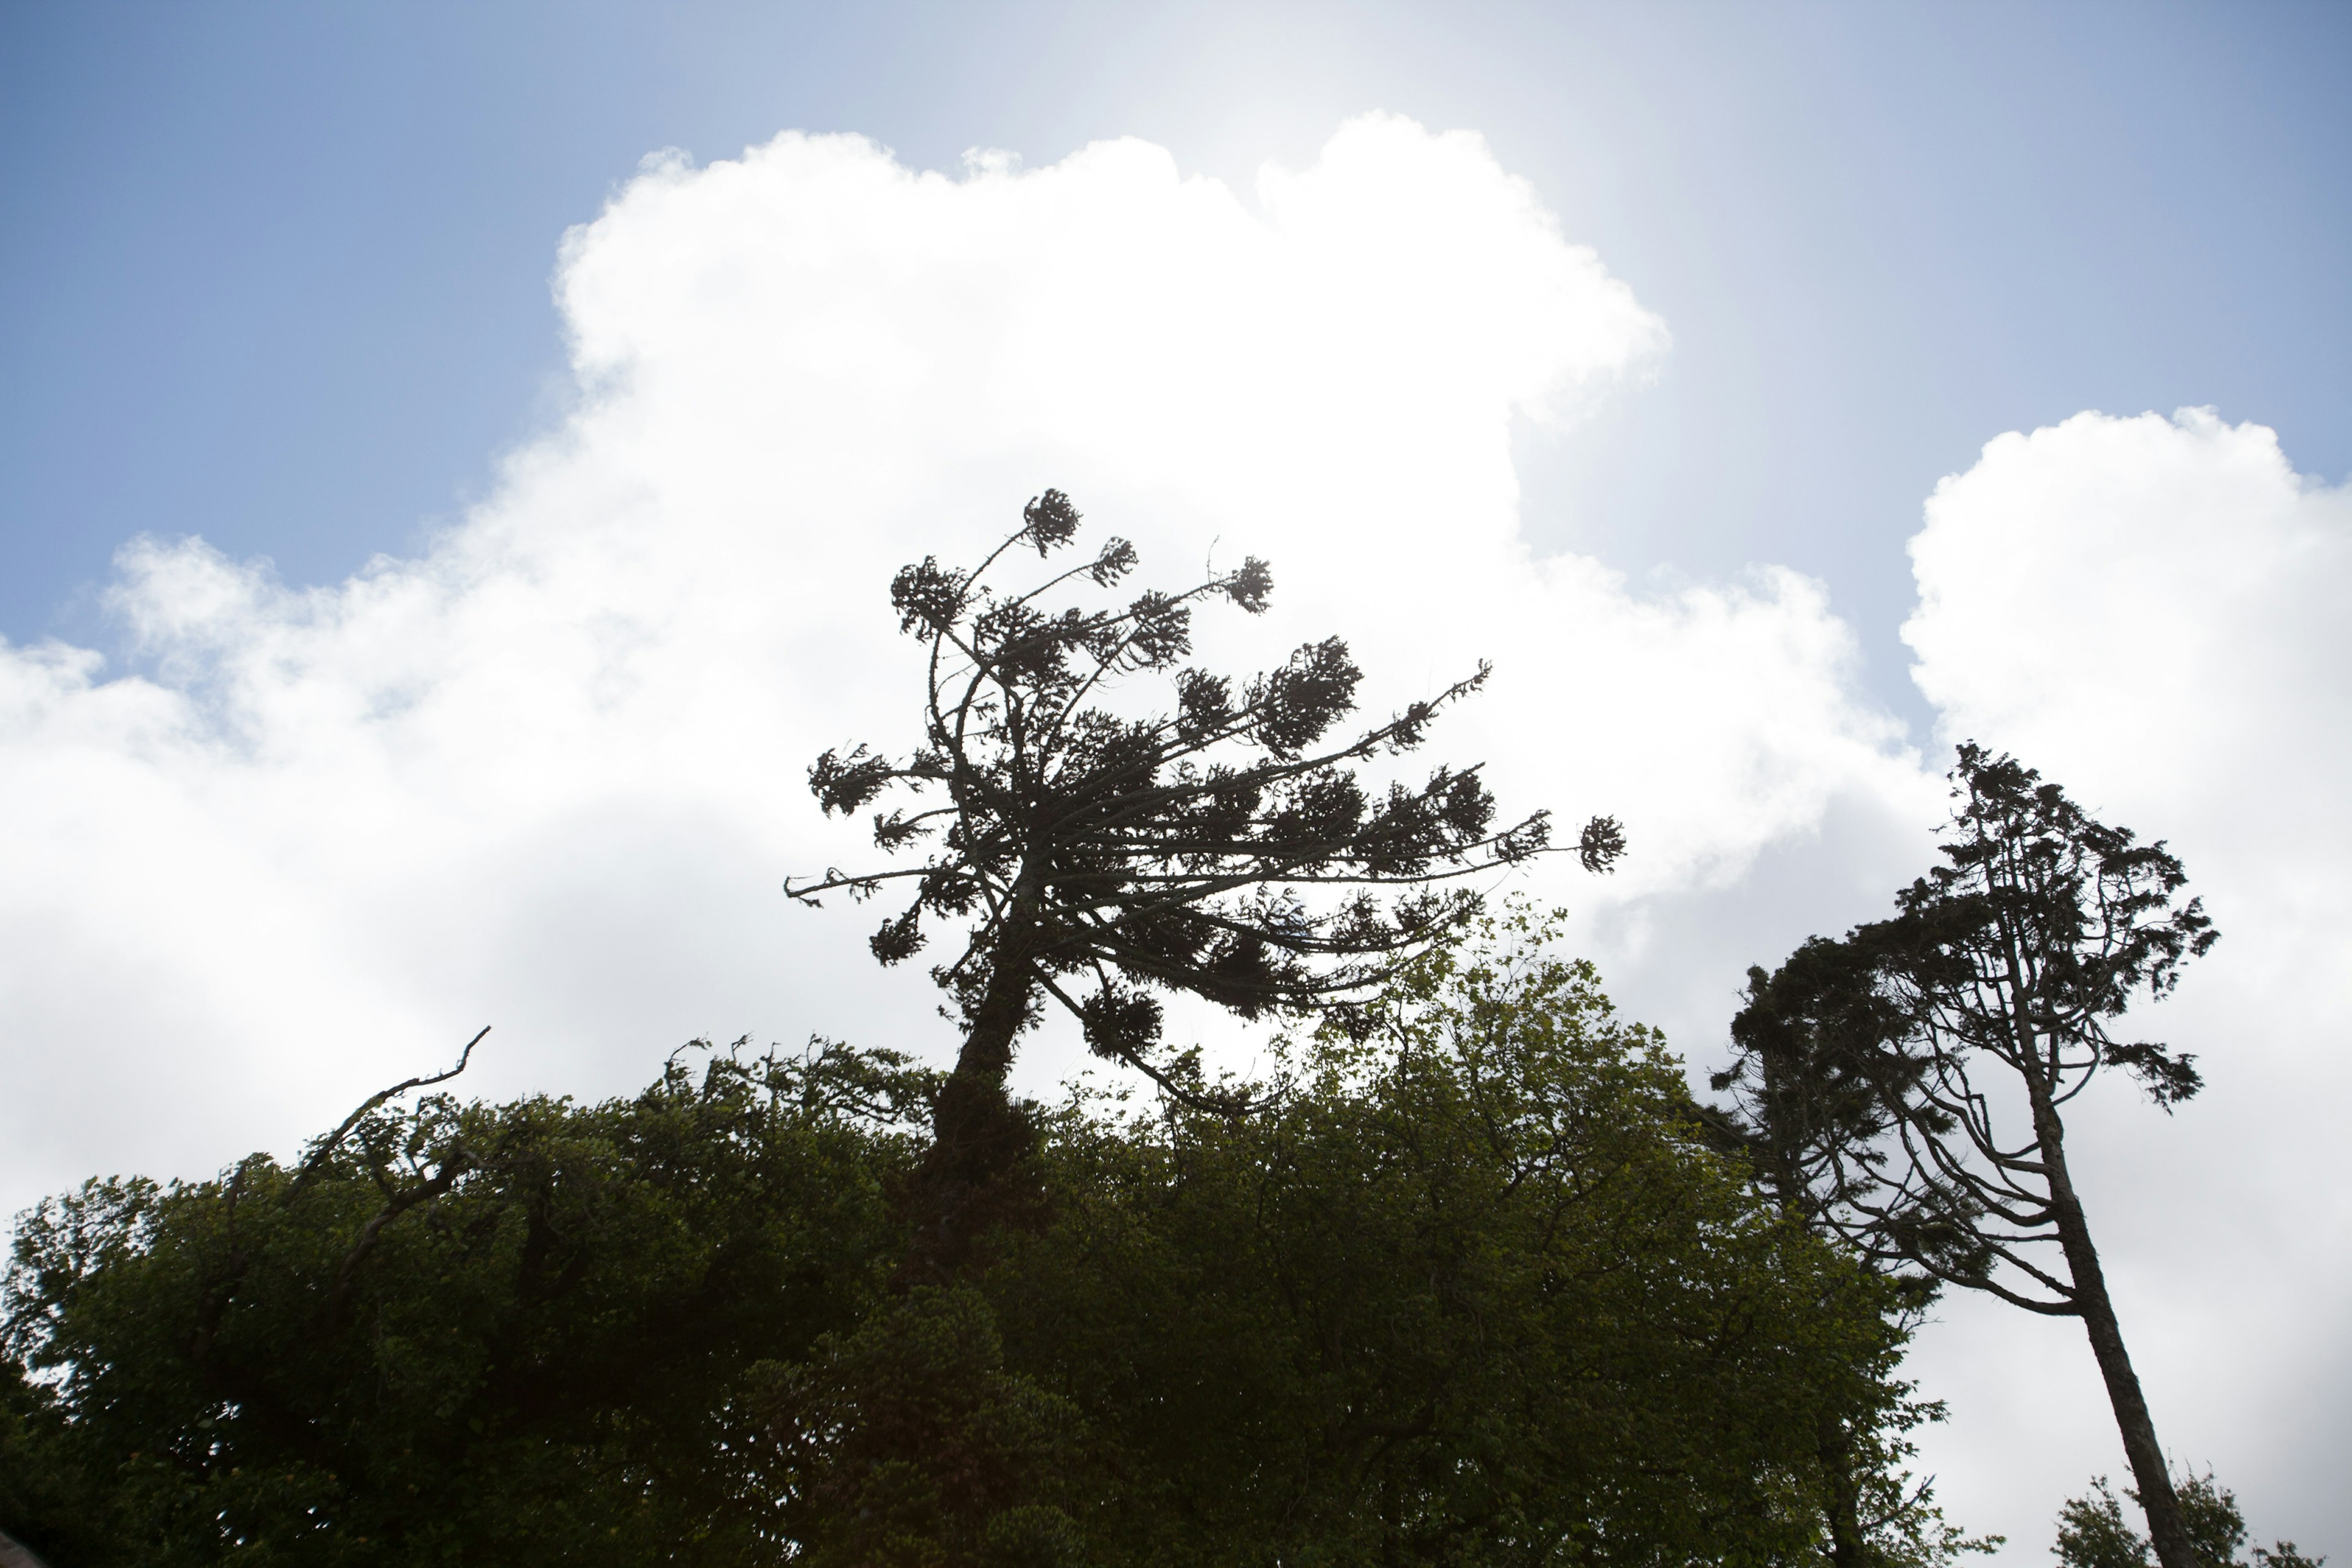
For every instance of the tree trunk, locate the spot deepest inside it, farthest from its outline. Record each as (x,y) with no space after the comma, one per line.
(987,1053)
(978,1138)
(972,1106)
(1835,1445)
(2168,1532)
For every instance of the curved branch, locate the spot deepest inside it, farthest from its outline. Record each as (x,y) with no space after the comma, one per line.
(327,1146)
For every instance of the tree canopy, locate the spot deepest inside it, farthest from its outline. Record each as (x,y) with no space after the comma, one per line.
(2092,1532)
(495,1333)
(1472,1286)
(1222,848)
(1906,1084)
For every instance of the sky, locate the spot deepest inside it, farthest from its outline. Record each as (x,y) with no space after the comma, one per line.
(451,457)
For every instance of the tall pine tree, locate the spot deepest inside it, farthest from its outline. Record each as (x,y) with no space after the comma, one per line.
(1222,848)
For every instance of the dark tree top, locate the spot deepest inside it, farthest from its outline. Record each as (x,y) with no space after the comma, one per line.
(1816,1098)
(1872,1067)
(2045,924)
(1224,847)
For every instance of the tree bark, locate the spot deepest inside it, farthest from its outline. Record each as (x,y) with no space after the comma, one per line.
(2166,1530)
(978,1139)
(987,1053)
(1848,1549)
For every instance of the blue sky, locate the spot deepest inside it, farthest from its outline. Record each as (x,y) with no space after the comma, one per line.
(276,274)
(294,280)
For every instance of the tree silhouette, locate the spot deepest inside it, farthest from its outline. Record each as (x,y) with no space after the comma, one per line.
(1221,848)
(1911,1045)
(1813,1092)
(1816,1099)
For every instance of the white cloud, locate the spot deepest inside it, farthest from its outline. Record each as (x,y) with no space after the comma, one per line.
(2150,611)
(549,774)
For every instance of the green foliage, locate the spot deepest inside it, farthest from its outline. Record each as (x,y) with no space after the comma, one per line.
(41,1494)
(1472,1291)
(479,1332)
(1472,1288)
(907,1441)
(2093,1534)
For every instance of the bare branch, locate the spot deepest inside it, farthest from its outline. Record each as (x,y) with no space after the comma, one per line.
(328,1145)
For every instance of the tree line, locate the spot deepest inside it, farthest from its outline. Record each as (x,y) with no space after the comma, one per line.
(1469,1277)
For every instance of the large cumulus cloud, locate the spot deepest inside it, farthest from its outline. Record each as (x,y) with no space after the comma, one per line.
(302,840)
(2150,611)
(546,775)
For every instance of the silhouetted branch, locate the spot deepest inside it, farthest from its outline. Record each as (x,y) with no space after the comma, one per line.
(329,1144)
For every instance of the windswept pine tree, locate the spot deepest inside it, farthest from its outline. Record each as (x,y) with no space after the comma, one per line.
(1882,1076)
(1223,848)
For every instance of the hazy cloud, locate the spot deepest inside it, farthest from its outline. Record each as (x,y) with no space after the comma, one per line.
(548,774)
(2151,611)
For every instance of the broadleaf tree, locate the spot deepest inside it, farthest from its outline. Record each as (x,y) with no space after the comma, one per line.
(1222,848)
(2091,1532)
(1469,1289)
(1934,1053)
